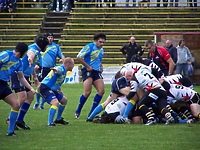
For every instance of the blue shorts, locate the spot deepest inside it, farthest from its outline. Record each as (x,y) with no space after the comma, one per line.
(48,94)
(16,85)
(4,89)
(43,72)
(95,75)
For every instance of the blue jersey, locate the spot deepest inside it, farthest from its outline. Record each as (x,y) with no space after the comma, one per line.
(9,64)
(27,69)
(54,81)
(92,55)
(118,84)
(49,56)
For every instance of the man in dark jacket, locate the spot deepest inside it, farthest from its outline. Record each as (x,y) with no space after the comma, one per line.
(172,51)
(131,49)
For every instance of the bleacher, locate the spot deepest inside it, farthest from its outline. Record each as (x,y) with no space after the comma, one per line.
(22,25)
(121,23)
(76,29)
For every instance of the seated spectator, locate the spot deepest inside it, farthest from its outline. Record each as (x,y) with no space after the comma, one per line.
(8,7)
(142,2)
(193,3)
(172,3)
(165,3)
(2,5)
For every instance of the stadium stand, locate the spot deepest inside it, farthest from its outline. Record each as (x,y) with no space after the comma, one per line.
(74,30)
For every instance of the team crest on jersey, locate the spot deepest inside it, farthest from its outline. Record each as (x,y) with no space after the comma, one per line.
(119,106)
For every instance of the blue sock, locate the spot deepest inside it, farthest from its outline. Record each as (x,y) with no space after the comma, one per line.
(24,108)
(42,102)
(182,121)
(60,111)
(96,111)
(37,98)
(13,118)
(52,112)
(96,102)
(81,103)
(128,108)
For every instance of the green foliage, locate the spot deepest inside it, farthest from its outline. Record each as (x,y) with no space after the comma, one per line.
(82,135)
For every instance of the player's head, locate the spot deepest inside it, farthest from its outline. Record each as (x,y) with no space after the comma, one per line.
(129,74)
(42,42)
(99,39)
(122,71)
(118,75)
(68,63)
(21,48)
(136,58)
(105,118)
(50,37)
(150,46)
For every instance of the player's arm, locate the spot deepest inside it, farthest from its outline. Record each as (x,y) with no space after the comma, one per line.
(81,55)
(21,78)
(171,66)
(35,78)
(31,56)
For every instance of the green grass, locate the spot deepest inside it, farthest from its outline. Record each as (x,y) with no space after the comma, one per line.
(82,135)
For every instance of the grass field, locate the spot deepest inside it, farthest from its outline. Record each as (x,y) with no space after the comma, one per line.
(82,135)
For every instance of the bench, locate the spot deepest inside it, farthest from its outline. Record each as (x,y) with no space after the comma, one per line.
(22,13)
(21,19)
(136,29)
(107,41)
(109,35)
(132,13)
(19,24)
(18,30)
(16,41)
(138,19)
(132,8)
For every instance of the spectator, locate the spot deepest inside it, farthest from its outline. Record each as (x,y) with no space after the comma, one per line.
(55,5)
(8,6)
(172,3)
(131,49)
(98,3)
(2,5)
(110,3)
(193,3)
(184,58)
(141,3)
(127,3)
(160,56)
(172,51)
(165,3)
(70,5)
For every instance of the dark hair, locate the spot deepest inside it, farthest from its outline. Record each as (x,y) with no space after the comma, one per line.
(99,35)
(22,48)
(179,43)
(42,42)
(49,34)
(105,118)
(136,58)
(118,75)
(149,42)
